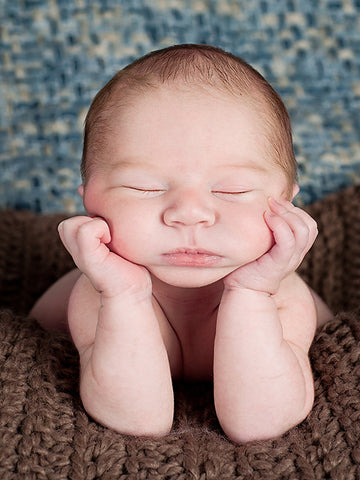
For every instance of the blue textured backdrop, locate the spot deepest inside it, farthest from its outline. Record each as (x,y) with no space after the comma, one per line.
(56,54)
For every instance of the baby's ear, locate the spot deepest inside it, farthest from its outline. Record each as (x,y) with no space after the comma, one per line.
(295,191)
(288,194)
(81,190)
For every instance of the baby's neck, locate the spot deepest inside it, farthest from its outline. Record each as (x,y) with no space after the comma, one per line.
(182,304)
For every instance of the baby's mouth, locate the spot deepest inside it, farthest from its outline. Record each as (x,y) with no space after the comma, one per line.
(194,257)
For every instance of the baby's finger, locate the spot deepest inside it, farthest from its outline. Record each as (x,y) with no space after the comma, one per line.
(307,219)
(84,238)
(92,234)
(284,239)
(68,231)
(303,226)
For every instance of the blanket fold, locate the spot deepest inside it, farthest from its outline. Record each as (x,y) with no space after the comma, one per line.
(45,433)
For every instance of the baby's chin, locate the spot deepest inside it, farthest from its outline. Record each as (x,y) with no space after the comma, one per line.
(190,277)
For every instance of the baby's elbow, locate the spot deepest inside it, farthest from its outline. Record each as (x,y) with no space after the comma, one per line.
(146,429)
(242,425)
(143,424)
(241,434)
(245,431)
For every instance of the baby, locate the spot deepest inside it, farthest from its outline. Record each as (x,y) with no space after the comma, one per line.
(186,260)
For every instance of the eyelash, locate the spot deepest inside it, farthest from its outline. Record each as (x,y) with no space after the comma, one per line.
(146,191)
(231,193)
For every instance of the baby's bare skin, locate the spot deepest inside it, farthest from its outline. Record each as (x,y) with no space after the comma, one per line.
(188,271)
(182,338)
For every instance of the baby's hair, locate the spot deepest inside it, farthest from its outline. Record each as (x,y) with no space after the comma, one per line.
(200,66)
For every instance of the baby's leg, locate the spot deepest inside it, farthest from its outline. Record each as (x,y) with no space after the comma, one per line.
(50,310)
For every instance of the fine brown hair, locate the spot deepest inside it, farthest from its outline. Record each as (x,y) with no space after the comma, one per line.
(201,66)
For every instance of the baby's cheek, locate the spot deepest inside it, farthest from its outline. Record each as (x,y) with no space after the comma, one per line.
(250,227)
(122,247)
(126,240)
(261,235)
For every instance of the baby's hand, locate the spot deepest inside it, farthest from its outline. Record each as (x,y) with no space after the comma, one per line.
(86,240)
(294,232)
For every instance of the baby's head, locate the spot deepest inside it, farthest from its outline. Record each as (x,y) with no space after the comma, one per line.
(208,69)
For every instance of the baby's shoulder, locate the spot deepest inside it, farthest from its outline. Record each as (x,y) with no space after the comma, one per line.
(292,288)
(301,310)
(295,294)
(50,310)
(293,291)
(297,310)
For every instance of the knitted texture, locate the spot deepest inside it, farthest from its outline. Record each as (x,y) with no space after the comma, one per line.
(45,433)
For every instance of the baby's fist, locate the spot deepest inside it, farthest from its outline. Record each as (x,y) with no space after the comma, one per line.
(294,232)
(87,241)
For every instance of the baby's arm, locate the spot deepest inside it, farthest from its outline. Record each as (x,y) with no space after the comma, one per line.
(125,379)
(267,318)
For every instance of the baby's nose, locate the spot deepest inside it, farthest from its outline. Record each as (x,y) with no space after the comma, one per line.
(188,209)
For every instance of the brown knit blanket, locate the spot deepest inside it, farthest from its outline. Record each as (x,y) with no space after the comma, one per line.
(45,433)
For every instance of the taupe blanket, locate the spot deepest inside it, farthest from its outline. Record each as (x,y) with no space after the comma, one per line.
(45,433)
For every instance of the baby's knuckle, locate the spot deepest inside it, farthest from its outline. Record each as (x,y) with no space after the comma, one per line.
(84,230)
(290,242)
(312,222)
(303,231)
(67,230)
(315,228)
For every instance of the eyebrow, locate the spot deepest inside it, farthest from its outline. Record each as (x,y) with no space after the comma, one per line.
(126,164)
(245,166)
(142,164)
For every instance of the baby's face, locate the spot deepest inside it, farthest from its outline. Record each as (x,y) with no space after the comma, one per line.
(183,185)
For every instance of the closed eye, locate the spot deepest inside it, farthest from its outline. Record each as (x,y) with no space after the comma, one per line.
(146,191)
(234,193)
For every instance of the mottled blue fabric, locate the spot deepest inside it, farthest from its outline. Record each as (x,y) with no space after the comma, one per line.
(56,54)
